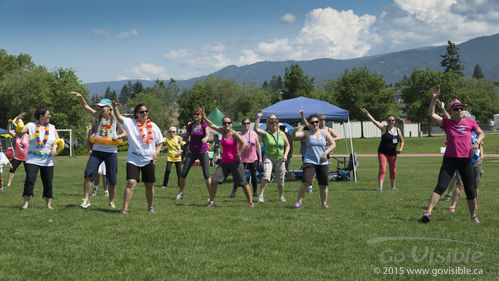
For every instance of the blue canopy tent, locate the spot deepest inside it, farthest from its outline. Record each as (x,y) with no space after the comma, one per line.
(289,110)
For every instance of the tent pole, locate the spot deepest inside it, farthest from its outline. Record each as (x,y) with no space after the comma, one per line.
(351,144)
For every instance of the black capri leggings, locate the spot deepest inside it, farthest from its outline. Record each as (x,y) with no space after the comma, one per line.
(46,173)
(204,160)
(15,163)
(449,166)
(166,176)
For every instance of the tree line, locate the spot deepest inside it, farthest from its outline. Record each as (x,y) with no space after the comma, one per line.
(25,86)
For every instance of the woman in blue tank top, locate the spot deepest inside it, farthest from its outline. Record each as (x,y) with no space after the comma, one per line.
(315,160)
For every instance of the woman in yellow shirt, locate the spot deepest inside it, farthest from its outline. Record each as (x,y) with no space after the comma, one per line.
(174,145)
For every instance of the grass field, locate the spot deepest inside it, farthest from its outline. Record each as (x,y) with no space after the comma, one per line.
(365,235)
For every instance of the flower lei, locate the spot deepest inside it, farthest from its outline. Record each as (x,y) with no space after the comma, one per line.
(149,137)
(39,140)
(105,129)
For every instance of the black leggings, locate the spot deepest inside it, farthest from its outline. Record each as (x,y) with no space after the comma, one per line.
(46,173)
(15,163)
(252,168)
(167,172)
(204,160)
(449,166)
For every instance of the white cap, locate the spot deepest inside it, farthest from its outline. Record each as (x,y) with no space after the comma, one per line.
(172,128)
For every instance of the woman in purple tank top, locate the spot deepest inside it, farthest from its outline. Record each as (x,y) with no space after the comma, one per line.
(231,160)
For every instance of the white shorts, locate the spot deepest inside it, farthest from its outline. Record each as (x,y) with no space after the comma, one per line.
(102,169)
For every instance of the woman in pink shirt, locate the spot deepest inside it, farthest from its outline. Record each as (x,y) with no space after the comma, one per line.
(457,154)
(252,156)
(233,145)
(21,146)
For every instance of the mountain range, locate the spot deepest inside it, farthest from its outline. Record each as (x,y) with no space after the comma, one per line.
(393,66)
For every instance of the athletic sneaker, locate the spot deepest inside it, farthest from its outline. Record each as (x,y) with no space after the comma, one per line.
(475,219)
(124,212)
(309,189)
(163,186)
(94,190)
(282,199)
(297,205)
(151,210)
(251,205)
(380,189)
(1,189)
(179,196)
(106,193)
(426,217)
(395,189)
(452,209)
(447,197)
(260,198)
(112,205)
(233,194)
(255,194)
(210,204)
(85,204)
(325,206)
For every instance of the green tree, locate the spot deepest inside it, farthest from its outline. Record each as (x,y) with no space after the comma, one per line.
(110,94)
(189,100)
(11,63)
(295,83)
(451,60)
(360,88)
(252,99)
(153,104)
(167,95)
(477,72)
(481,96)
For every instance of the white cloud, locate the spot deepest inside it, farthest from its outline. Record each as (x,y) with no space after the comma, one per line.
(201,61)
(128,34)
(288,18)
(145,71)
(102,32)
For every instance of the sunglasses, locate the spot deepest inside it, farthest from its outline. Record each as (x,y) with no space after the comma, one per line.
(314,122)
(245,123)
(144,111)
(390,120)
(323,119)
(458,109)
(273,122)
(196,114)
(172,132)
(226,123)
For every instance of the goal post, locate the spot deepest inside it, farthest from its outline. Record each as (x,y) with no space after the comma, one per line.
(67,135)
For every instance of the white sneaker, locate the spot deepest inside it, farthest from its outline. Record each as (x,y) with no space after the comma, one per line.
(282,199)
(179,196)
(106,193)
(163,186)
(309,189)
(260,198)
(85,204)
(94,190)
(112,205)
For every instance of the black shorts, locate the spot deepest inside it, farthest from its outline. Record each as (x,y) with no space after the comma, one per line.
(133,172)
(237,171)
(320,171)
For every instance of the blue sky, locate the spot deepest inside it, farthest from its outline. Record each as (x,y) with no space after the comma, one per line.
(115,40)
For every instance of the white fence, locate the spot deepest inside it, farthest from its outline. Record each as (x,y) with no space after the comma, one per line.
(370,130)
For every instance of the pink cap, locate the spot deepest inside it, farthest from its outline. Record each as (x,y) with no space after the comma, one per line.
(455,102)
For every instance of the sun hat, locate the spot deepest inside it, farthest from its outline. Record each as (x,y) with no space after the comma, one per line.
(104,102)
(455,102)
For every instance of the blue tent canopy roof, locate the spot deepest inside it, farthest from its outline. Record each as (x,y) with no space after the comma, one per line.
(289,110)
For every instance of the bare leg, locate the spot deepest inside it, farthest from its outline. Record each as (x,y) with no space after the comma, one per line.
(433,201)
(130,186)
(323,193)
(49,203)
(26,202)
(263,185)
(149,193)
(182,185)
(393,183)
(302,191)
(456,195)
(212,190)
(380,183)
(247,192)
(11,177)
(112,193)
(87,185)
(281,190)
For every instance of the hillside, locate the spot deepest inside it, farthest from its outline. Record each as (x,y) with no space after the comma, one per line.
(393,66)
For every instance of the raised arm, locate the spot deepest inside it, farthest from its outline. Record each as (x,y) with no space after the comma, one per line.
(378,124)
(431,109)
(441,105)
(335,136)
(304,120)
(12,133)
(256,128)
(85,105)
(297,133)
(212,125)
(116,110)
